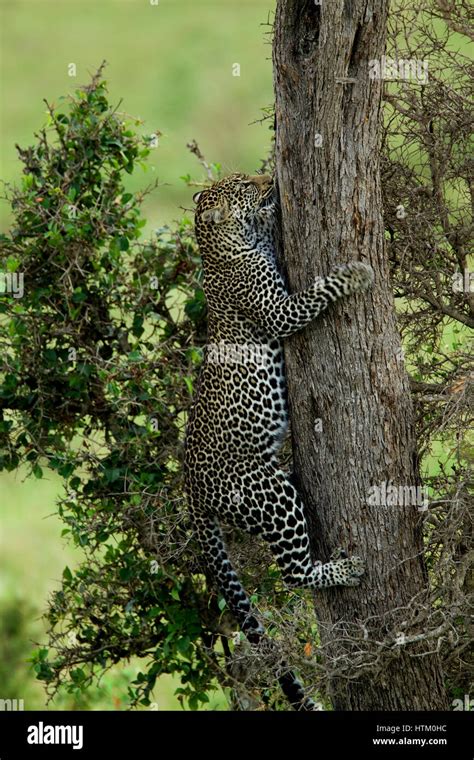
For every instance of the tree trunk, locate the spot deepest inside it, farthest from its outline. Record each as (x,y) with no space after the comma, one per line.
(350,406)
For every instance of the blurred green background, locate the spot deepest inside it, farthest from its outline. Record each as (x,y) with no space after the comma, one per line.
(172,65)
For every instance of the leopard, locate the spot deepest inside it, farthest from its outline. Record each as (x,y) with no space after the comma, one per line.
(238,417)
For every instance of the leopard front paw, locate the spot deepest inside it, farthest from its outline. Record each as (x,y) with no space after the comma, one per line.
(356,276)
(349,571)
(355,568)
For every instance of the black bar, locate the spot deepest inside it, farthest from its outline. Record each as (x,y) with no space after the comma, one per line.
(377,735)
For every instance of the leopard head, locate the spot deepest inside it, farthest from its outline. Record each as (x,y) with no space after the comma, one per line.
(235,214)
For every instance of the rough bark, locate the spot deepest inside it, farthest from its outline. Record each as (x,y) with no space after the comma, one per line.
(346,369)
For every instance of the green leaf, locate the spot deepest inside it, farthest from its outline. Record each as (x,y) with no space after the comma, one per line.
(78,676)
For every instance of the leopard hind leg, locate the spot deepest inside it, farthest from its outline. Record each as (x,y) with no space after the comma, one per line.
(212,544)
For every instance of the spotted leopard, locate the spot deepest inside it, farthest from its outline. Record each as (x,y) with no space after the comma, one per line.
(239,414)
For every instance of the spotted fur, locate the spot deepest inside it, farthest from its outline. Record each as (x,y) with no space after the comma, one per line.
(239,416)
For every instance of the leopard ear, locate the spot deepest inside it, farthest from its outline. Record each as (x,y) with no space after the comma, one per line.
(196,196)
(218,214)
